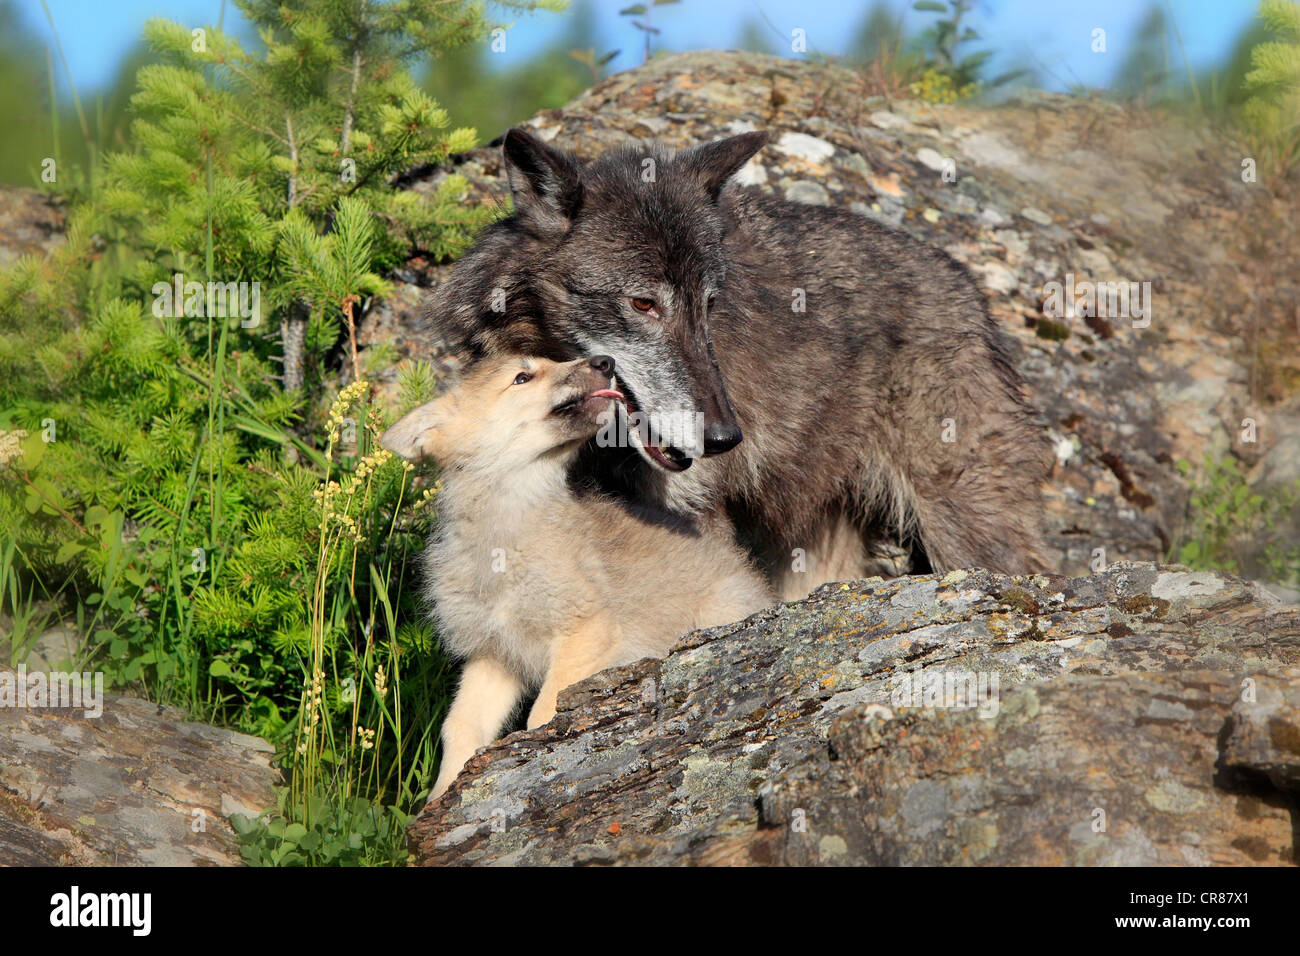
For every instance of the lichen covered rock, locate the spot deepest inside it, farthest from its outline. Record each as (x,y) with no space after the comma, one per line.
(1099,734)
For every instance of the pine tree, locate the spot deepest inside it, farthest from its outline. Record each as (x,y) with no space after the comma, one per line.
(326,110)
(1272,113)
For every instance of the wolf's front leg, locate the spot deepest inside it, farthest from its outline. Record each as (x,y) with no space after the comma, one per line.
(589,648)
(487,695)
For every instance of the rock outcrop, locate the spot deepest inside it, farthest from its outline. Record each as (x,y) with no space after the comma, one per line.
(135,785)
(1143,715)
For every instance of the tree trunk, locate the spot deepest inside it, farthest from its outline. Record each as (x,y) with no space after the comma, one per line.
(293,332)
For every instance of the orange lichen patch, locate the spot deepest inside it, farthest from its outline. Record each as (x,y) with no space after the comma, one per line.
(888,184)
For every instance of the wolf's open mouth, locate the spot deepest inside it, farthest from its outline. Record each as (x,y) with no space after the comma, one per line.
(669,458)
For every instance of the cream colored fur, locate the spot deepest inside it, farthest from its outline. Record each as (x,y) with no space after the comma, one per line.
(533,586)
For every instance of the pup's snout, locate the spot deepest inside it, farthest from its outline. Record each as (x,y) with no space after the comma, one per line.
(720,437)
(603,364)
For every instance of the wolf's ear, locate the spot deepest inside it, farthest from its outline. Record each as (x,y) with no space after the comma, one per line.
(419,434)
(546,183)
(716,162)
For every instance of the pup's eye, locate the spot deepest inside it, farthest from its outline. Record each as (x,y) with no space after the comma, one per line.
(712,299)
(522,377)
(643,305)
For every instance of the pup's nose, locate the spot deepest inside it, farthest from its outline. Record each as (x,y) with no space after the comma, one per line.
(720,437)
(602,364)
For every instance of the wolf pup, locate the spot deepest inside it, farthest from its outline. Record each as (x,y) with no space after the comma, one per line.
(531,585)
(847,389)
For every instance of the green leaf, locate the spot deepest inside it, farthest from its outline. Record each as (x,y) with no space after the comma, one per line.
(260,429)
(68,551)
(220,668)
(96,515)
(929,6)
(33,450)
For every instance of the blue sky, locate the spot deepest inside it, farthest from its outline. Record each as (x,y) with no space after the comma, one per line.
(96,34)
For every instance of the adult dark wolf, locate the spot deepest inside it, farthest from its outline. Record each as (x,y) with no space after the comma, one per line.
(849,385)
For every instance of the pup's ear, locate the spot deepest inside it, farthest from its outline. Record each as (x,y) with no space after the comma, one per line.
(419,434)
(716,162)
(546,183)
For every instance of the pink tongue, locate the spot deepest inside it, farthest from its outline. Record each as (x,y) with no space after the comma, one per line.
(606,393)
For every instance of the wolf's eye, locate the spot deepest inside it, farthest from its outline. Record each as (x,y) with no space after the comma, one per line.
(643,305)
(712,299)
(522,377)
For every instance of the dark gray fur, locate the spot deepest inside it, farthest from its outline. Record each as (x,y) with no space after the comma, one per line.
(842,405)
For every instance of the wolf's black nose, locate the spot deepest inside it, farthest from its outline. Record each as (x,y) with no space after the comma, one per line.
(602,364)
(720,437)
